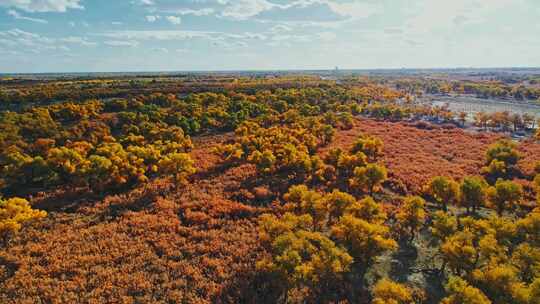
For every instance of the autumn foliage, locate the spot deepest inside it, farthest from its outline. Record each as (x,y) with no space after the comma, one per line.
(285,190)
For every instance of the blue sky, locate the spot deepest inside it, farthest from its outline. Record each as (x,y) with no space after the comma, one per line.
(151,35)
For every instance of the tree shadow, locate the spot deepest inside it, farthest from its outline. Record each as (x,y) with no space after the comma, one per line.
(434,287)
(249,287)
(404,261)
(7,269)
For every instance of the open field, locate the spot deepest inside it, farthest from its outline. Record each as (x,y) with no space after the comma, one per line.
(474,105)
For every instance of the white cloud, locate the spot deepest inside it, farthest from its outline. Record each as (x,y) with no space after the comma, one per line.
(327,36)
(195,12)
(219,39)
(116,23)
(229,45)
(78,40)
(160,50)
(174,20)
(152,18)
(280,28)
(430,14)
(291,38)
(122,43)
(146,2)
(393,31)
(244,9)
(159,35)
(30,42)
(18,16)
(249,9)
(43,5)
(18,34)
(353,9)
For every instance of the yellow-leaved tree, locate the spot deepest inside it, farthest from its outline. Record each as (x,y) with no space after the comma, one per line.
(444,190)
(460,292)
(300,257)
(363,240)
(389,292)
(180,165)
(371,146)
(411,216)
(369,178)
(505,195)
(14,212)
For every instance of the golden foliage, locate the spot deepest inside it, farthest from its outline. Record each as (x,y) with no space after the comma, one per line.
(388,292)
(14,212)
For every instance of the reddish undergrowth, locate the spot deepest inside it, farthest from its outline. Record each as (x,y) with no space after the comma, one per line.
(161,243)
(414,154)
(197,243)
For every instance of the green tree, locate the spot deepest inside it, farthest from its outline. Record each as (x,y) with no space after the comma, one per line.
(348,163)
(363,240)
(526,258)
(505,195)
(443,225)
(180,165)
(502,284)
(368,178)
(265,161)
(99,171)
(473,192)
(371,146)
(367,209)
(537,187)
(501,158)
(337,203)
(300,257)
(503,150)
(306,201)
(495,169)
(529,227)
(411,216)
(460,251)
(534,292)
(345,119)
(444,190)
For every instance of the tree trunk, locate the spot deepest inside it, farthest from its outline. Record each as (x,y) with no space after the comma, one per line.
(500,210)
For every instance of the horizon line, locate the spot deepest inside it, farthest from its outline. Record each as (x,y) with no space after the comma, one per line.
(277,70)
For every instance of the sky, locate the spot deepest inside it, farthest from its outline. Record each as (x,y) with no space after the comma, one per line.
(39,36)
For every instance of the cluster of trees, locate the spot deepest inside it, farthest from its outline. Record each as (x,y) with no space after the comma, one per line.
(339,219)
(124,141)
(322,243)
(326,239)
(117,143)
(278,150)
(482,89)
(505,121)
(290,150)
(19,92)
(71,144)
(106,165)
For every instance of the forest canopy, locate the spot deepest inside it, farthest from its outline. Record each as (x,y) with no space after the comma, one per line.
(250,189)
